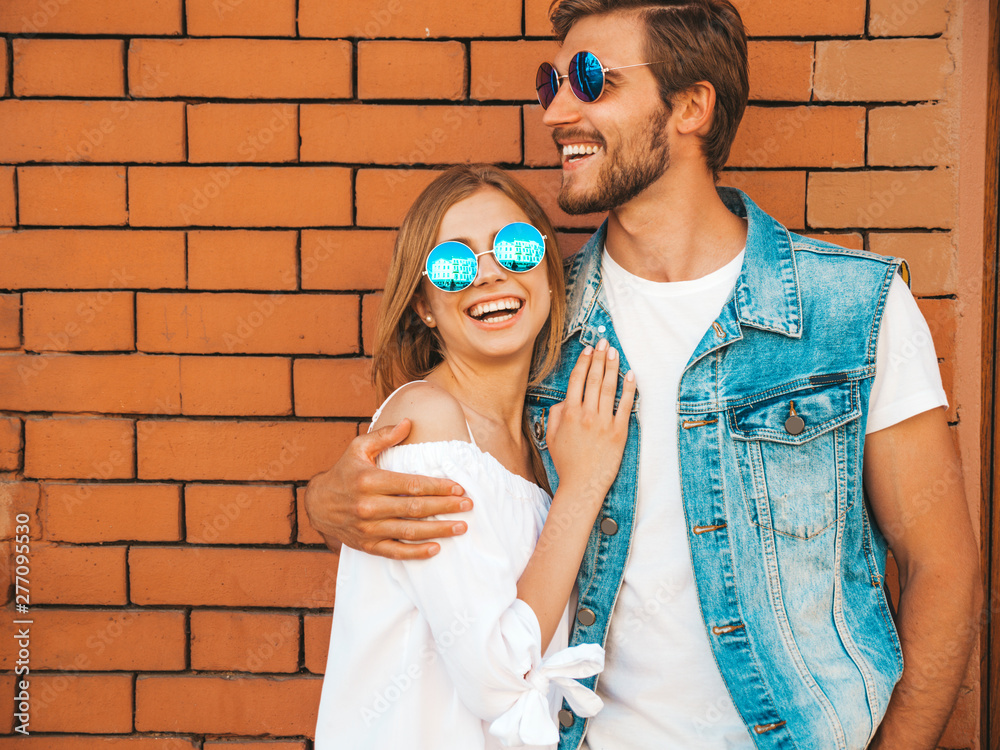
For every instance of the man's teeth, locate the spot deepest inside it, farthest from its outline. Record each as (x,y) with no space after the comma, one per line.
(484,308)
(580,149)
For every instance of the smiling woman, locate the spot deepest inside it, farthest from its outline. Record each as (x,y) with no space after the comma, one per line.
(467,649)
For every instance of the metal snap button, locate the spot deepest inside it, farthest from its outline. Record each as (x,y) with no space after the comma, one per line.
(586,616)
(601,329)
(566,718)
(794,424)
(609,527)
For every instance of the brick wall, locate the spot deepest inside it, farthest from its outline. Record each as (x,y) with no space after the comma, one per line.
(198,199)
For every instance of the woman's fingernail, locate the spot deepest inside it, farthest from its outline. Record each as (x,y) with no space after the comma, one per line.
(588,349)
(613,353)
(602,345)
(630,375)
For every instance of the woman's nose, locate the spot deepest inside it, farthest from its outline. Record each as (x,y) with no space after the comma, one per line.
(489,270)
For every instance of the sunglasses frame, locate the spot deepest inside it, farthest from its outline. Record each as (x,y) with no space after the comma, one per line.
(574,68)
(477,256)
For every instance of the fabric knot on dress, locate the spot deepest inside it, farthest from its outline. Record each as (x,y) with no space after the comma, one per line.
(530,720)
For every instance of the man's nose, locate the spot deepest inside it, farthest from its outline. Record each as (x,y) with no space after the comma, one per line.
(564,108)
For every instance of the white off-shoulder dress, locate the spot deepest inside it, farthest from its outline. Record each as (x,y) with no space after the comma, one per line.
(440,654)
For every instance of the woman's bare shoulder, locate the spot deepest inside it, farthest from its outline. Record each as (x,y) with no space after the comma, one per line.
(435,415)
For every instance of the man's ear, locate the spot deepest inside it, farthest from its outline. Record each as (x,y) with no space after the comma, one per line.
(693,109)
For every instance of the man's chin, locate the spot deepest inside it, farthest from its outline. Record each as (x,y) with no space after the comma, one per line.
(577,205)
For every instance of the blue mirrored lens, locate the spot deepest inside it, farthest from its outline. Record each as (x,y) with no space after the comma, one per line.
(452,266)
(546,84)
(586,76)
(519,247)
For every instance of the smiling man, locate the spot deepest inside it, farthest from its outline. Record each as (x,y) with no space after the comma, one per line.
(789,429)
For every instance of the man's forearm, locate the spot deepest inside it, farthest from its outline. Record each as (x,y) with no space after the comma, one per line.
(938,621)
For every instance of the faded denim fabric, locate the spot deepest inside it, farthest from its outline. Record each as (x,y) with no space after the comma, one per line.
(788,563)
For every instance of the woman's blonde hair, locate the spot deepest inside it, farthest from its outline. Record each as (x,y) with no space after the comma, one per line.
(405,349)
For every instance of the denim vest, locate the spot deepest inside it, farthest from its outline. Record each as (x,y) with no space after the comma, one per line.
(771,420)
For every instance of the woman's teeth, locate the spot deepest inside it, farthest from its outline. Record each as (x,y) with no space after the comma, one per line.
(484,309)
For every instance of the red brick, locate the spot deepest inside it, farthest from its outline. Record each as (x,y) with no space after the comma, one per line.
(243,133)
(240,451)
(346,260)
(242,259)
(77,702)
(10,321)
(942,319)
(244,641)
(226,745)
(17,498)
(780,71)
(402,134)
(238,514)
(236,386)
(111,383)
(919,135)
(882,70)
(75,448)
(239,196)
(506,70)
(91,259)
(369,317)
(105,640)
(931,257)
(69,67)
(817,18)
(69,196)
(852,240)
(3,67)
(890,199)
(536,18)
(8,197)
(92,17)
(317,639)
(213,576)
(781,194)
(539,148)
(79,321)
(63,574)
(242,68)
(97,131)
(98,742)
(411,70)
(306,533)
(383,196)
(915,18)
(422,19)
(334,388)
(243,323)
(82,513)
(241,17)
(10,443)
(800,137)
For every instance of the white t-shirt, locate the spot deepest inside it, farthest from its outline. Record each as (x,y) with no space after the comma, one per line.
(661,686)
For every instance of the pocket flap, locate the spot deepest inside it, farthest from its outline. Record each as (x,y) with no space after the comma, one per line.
(819,409)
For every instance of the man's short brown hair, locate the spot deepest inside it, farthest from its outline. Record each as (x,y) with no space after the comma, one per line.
(700,40)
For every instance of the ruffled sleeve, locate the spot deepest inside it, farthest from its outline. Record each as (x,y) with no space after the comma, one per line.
(488,639)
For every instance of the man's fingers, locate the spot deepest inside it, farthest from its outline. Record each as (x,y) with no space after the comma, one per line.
(402,551)
(402,530)
(400,505)
(384,437)
(412,485)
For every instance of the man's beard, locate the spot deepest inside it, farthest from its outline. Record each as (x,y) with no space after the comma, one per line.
(635,166)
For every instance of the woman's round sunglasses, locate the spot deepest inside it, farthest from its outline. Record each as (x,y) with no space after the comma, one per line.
(452,266)
(586,78)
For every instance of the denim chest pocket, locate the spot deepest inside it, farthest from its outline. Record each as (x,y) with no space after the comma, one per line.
(795,451)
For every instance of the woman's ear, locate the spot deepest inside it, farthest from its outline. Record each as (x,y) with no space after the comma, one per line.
(422,309)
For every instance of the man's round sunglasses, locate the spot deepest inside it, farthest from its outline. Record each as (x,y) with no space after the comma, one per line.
(452,266)
(586,78)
